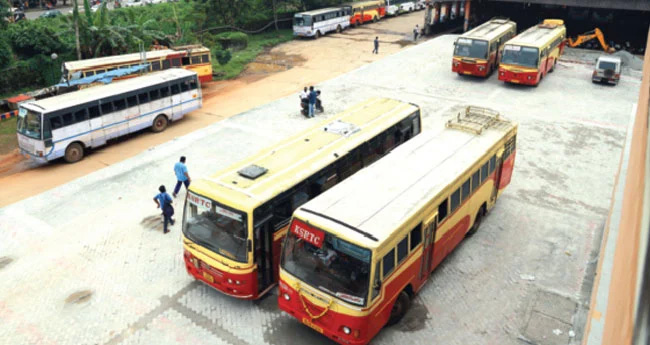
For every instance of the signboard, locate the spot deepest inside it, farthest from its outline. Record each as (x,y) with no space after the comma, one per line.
(466,41)
(313,236)
(230,214)
(513,48)
(350,298)
(199,201)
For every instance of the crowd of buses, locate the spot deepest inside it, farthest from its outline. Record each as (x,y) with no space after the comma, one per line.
(349,217)
(336,19)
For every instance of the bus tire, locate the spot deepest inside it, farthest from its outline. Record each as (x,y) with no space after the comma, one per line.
(74,153)
(159,123)
(477,222)
(375,19)
(400,307)
(553,67)
(338,29)
(317,34)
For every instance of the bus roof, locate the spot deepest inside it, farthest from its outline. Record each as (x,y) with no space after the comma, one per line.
(124,58)
(490,29)
(67,100)
(301,156)
(382,197)
(320,11)
(540,34)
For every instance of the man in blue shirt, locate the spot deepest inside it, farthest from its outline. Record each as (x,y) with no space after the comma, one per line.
(164,202)
(182,177)
(312,100)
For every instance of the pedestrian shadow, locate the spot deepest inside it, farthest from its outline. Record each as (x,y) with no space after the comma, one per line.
(152,223)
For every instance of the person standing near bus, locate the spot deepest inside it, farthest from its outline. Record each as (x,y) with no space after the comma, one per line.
(304,94)
(182,176)
(164,202)
(376,50)
(312,100)
(416,31)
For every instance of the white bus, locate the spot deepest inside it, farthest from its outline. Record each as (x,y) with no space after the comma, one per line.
(66,125)
(319,22)
(396,7)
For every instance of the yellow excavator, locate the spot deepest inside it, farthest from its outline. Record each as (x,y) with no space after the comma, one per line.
(588,36)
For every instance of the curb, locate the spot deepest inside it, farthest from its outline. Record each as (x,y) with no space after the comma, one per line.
(8,115)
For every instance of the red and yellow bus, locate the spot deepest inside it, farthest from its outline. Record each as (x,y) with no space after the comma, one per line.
(234,222)
(195,58)
(356,255)
(367,11)
(528,57)
(476,51)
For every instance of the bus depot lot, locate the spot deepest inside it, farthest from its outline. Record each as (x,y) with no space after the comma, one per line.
(87,263)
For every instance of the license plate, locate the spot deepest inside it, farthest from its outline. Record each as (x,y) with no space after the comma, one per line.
(515,81)
(311,325)
(466,72)
(208,277)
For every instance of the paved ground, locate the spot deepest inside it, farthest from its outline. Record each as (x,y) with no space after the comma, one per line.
(87,263)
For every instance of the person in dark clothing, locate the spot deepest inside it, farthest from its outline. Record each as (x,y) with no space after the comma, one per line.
(312,101)
(376,50)
(164,202)
(416,31)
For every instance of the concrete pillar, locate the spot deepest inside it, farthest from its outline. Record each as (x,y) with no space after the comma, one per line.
(436,13)
(444,12)
(467,11)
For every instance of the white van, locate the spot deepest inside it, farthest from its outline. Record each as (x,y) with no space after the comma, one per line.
(608,69)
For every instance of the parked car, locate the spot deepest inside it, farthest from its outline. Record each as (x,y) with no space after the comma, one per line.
(607,69)
(420,5)
(50,14)
(133,3)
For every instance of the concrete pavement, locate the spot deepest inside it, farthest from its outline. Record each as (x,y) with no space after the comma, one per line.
(87,263)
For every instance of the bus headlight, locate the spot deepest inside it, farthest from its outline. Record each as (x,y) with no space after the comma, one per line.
(347,330)
(502,73)
(237,282)
(229,281)
(530,77)
(286,296)
(481,68)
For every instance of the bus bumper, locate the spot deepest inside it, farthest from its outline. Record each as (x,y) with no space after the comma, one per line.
(330,325)
(475,69)
(242,286)
(524,78)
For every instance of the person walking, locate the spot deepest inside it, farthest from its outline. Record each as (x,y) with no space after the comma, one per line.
(164,202)
(416,31)
(312,100)
(376,50)
(182,176)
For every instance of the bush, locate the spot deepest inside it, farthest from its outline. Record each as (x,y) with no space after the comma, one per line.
(232,40)
(223,56)
(6,56)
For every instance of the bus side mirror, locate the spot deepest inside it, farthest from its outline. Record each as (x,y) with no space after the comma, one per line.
(249,245)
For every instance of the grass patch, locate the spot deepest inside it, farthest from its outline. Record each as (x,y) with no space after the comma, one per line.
(256,45)
(8,139)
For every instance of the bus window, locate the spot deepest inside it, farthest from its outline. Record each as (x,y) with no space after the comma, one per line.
(205,58)
(466,187)
(175,89)
(93,111)
(90,73)
(185,86)
(132,101)
(143,98)
(455,200)
(154,95)
(416,236)
(155,65)
(166,64)
(67,119)
(107,108)
(193,84)
(185,60)
(442,211)
(176,62)
(476,181)
(376,282)
(80,115)
(196,60)
(119,104)
(55,122)
(493,163)
(484,172)
(402,250)
(164,91)
(388,263)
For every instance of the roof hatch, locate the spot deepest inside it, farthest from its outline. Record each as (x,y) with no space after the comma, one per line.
(252,171)
(341,128)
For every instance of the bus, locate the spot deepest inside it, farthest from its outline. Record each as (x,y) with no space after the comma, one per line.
(235,220)
(356,255)
(396,7)
(475,52)
(193,57)
(529,56)
(66,125)
(319,22)
(367,11)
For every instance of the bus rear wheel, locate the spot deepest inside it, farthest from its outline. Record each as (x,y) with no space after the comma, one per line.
(375,19)
(338,29)
(159,123)
(401,306)
(74,153)
(477,222)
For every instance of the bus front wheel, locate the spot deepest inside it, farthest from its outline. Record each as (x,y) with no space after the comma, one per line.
(74,153)
(159,124)
(401,306)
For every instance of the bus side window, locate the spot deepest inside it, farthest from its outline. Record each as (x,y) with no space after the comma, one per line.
(350,164)
(416,237)
(55,122)
(376,282)
(185,60)
(455,200)
(205,58)
(67,119)
(93,111)
(154,95)
(90,73)
(155,65)
(476,181)
(442,211)
(185,86)
(466,190)
(166,64)
(193,84)
(493,163)
(80,115)
(484,172)
(176,62)
(143,98)
(402,250)
(175,89)
(388,263)
(107,108)
(119,104)
(132,101)
(164,91)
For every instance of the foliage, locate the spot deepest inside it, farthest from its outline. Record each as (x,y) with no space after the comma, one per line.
(38,37)
(232,39)
(6,56)
(223,56)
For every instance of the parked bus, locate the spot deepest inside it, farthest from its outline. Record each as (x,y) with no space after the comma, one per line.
(195,58)
(476,51)
(397,7)
(367,11)
(356,255)
(66,125)
(528,57)
(319,22)
(234,221)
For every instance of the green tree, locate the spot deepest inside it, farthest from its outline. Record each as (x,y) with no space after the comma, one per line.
(6,56)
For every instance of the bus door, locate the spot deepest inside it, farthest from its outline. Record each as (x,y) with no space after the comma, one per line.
(264,253)
(430,227)
(497,174)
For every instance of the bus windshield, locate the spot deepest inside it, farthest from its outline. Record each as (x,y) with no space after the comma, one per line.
(332,265)
(521,56)
(301,20)
(29,123)
(466,47)
(215,227)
